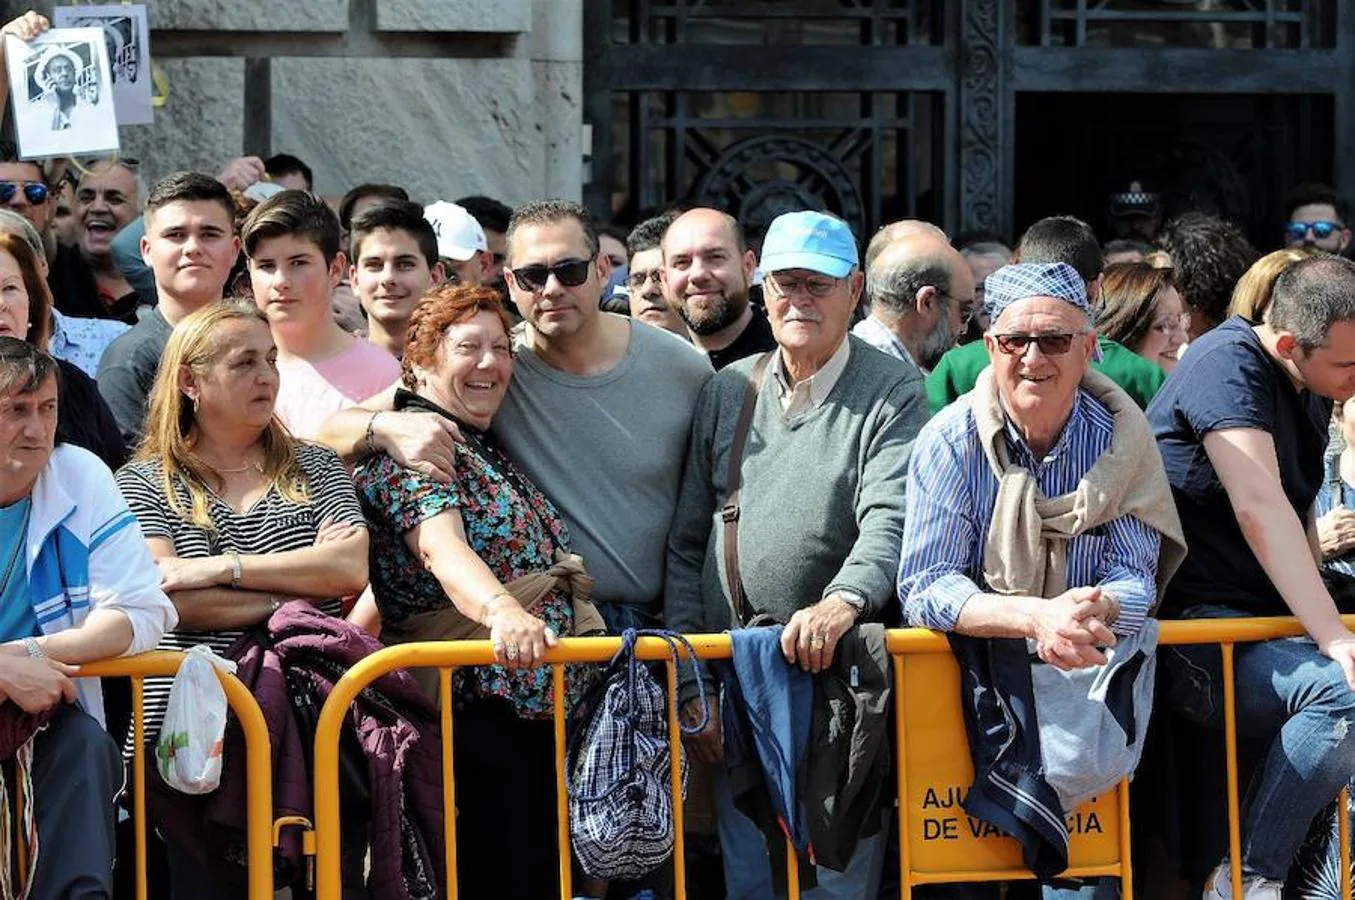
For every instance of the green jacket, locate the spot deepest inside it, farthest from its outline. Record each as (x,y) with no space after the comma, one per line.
(959,369)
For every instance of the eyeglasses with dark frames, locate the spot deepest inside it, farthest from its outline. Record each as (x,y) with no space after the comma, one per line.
(637,280)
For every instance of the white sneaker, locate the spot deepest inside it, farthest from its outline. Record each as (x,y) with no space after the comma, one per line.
(1254,887)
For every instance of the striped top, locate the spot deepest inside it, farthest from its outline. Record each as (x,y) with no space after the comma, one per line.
(951,494)
(273,524)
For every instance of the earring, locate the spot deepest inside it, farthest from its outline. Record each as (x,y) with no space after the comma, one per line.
(195,406)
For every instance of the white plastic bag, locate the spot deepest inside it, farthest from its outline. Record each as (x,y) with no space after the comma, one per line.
(188,751)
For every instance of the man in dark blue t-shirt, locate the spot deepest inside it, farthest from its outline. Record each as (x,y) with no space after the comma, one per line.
(1242,424)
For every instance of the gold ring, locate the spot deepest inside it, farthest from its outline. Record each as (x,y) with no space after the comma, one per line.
(817,641)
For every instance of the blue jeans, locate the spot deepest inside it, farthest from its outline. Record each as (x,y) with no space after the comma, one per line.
(748,872)
(1287,693)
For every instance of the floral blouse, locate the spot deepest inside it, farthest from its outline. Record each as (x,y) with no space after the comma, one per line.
(509,524)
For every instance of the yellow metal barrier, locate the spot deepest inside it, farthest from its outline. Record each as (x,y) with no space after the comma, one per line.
(257,759)
(937,843)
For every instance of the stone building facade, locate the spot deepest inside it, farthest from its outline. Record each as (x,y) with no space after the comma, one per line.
(445,97)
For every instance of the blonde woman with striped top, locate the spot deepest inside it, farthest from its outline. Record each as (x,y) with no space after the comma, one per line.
(239,516)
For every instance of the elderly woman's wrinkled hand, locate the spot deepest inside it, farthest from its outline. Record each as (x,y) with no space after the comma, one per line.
(520,639)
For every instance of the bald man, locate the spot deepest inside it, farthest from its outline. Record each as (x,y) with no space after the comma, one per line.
(921,294)
(708,277)
(901,229)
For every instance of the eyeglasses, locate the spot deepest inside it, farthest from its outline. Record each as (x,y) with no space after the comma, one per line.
(1297,231)
(569,272)
(35,192)
(1169,324)
(637,280)
(1049,344)
(817,286)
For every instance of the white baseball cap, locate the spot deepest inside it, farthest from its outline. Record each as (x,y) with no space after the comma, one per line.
(459,236)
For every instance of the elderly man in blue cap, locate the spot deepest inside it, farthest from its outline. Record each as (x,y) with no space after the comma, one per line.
(1040,532)
(791,510)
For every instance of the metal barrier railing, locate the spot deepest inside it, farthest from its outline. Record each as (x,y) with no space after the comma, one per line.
(902,644)
(258,761)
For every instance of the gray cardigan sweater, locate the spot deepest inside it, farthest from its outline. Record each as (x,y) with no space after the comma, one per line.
(822,502)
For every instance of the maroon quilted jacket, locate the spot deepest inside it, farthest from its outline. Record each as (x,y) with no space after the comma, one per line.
(393,722)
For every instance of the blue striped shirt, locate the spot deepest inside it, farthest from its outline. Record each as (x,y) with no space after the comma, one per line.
(951,494)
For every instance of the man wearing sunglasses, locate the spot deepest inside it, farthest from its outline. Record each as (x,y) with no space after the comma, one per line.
(599,409)
(1054,239)
(1021,527)
(597,413)
(1317,219)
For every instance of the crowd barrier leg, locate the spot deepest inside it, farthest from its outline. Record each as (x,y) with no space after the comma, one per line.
(448,781)
(139,783)
(258,763)
(1230,760)
(561,793)
(675,775)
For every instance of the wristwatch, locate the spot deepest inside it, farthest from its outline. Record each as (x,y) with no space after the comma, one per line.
(853,599)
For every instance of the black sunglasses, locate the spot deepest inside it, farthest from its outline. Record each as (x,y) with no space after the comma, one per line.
(35,192)
(569,272)
(1049,344)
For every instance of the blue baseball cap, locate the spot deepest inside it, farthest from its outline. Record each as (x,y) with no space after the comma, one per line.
(809,240)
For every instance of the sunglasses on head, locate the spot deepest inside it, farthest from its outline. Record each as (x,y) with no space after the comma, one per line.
(1297,231)
(1049,344)
(35,192)
(569,272)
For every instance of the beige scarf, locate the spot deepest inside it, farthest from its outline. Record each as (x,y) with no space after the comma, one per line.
(450,624)
(1027,542)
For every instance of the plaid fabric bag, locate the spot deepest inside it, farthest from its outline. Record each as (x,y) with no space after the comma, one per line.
(619,780)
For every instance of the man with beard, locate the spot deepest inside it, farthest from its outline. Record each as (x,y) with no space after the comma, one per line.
(707,275)
(921,294)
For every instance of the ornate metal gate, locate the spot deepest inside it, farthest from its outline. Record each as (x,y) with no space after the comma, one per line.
(759,107)
(881,109)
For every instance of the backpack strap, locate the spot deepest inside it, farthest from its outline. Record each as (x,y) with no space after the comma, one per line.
(730,512)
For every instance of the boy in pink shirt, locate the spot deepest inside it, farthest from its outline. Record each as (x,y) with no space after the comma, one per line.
(292,241)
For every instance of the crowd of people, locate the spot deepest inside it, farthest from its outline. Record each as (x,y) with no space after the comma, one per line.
(233,413)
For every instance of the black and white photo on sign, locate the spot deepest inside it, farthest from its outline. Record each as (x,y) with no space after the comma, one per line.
(61,93)
(127,40)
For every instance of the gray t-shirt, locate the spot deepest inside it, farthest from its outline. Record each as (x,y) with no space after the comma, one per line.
(128,368)
(608,450)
